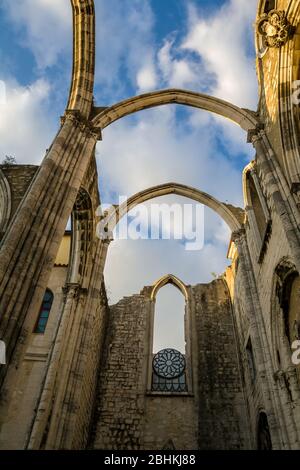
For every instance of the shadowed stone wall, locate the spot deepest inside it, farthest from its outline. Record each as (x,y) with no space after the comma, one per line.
(211,415)
(222,417)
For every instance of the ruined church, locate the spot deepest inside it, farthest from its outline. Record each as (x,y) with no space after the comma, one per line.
(81,374)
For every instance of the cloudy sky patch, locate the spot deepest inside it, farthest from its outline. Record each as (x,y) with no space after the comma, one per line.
(142,45)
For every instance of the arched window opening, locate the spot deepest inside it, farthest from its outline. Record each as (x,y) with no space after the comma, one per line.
(269,5)
(43,317)
(290,306)
(169,346)
(169,320)
(286,314)
(2,352)
(263,433)
(169,445)
(251,361)
(258,213)
(258,209)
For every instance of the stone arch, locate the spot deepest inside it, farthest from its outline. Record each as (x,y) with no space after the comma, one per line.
(231,215)
(82,237)
(255,202)
(82,83)
(246,193)
(246,119)
(169,279)
(5,203)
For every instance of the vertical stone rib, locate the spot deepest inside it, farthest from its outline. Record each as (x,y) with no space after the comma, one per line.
(258,333)
(30,246)
(72,435)
(81,92)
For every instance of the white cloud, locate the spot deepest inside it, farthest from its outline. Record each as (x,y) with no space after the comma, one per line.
(222,42)
(124,53)
(140,263)
(26,128)
(177,73)
(156,149)
(146,78)
(44,27)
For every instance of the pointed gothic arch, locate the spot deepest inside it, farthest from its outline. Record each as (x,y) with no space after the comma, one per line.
(82,236)
(184,383)
(169,279)
(246,119)
(231,215)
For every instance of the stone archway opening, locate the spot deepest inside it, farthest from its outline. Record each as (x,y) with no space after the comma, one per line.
(206,262)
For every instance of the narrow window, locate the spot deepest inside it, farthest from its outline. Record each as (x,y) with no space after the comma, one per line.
(2,352)
(269,5)
(290,305)
(263,433)
(44,312)
(258,209)
(169,355)
(251,363)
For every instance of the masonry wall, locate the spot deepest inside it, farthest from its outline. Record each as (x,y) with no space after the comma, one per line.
(211,415)
(18,400)
(19,178)
(222,416)
(121,393)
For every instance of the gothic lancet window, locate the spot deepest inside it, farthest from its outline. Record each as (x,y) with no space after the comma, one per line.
(290,305)
(257,208)
(263,433)
(286,315)
(251,362)
(258,212)
(43,317)
(169,357)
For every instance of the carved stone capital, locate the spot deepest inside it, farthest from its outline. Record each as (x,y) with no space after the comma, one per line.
(85,124)
(73,290)
(255,134)
(279,375)
(238,235)
(275,28)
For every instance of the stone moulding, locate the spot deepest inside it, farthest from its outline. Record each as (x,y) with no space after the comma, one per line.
(244,118)
(227,212)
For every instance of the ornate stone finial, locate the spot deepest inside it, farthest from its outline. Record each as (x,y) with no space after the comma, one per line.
(275,28)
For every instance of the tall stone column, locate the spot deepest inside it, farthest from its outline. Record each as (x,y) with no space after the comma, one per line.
(69,424)
(30,245)
(59,361)
(258,335)
(63,414)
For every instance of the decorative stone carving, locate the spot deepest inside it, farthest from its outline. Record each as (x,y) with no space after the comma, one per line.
(85,124)
(275,28)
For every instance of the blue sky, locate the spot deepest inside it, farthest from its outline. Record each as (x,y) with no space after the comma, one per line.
(201,45)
